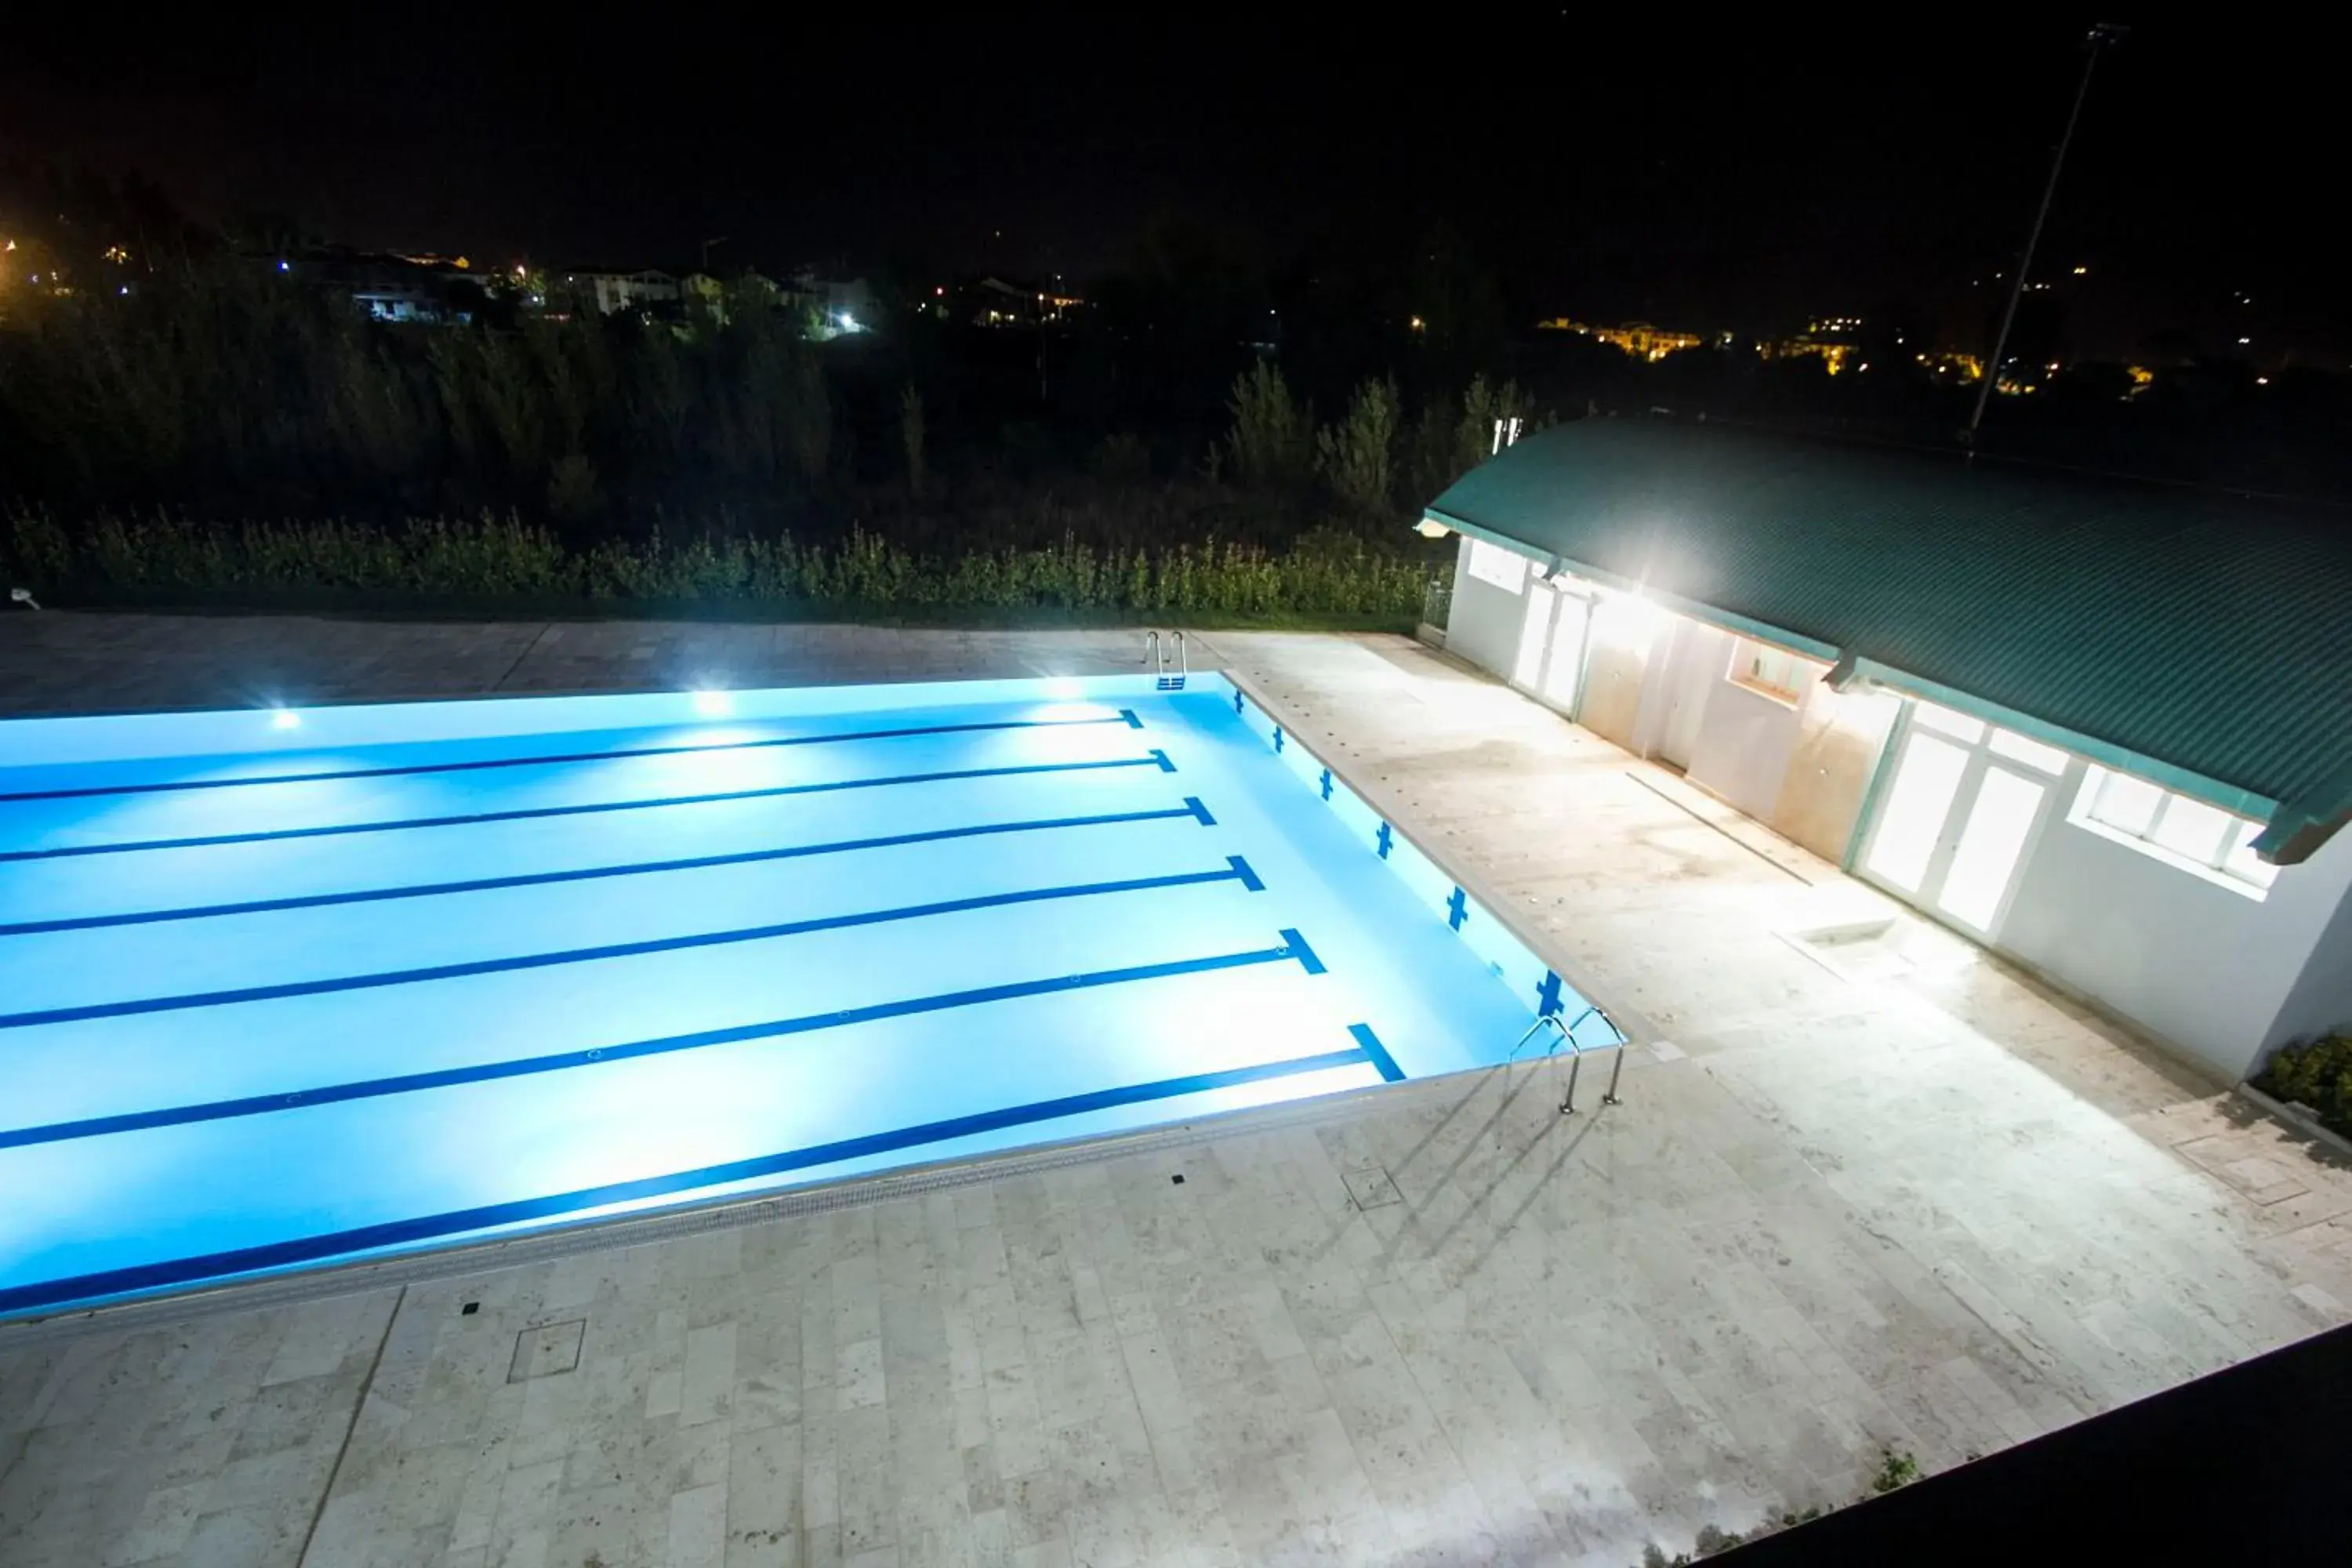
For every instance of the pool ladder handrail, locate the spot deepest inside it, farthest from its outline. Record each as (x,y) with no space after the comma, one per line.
(1155,654)
(1567,1034)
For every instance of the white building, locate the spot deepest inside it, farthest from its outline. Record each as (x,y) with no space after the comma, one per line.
(612,291)
(2102,727)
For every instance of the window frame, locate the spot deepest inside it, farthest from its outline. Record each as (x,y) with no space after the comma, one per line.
(1485,568)
(2230,865)
(1747,652)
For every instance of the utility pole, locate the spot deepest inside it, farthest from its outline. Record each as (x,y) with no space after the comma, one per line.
(2102,34)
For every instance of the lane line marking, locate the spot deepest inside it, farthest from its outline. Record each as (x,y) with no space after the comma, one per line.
(1377,1053)
(1191,811)
(556,758)
(666,1045)
(1154,759)
(1234,871)
(421,1228)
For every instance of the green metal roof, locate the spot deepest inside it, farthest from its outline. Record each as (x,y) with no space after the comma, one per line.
(2201,638)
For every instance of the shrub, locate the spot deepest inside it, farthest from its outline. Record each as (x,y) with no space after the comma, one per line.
(1120,458)
(1356,457)
(494,558)
(910,439)
(2319,1075)
(1273,439)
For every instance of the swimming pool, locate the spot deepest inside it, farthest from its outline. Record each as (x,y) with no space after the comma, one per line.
(279,989)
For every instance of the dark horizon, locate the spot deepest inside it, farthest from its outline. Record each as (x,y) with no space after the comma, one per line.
(1736,178)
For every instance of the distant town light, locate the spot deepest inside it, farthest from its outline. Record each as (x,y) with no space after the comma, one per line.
(2082,271)
(285,266)
(1417,323)
(2245,340)
(2262,381)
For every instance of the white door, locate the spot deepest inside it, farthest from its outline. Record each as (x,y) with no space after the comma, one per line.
(1928,773)
(1535,634)
(1984,858)
(1551,655)
(1564,667)
(1959,811)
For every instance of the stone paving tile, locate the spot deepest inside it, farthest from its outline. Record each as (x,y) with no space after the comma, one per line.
(1939,1212)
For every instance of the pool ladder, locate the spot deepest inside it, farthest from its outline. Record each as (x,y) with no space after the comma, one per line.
(1566,1035)
(1156,654)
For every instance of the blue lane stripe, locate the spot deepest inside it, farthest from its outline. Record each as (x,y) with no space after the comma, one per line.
(559,1061)
(425,1228)
(1190,811)
(555,759)
(1152,760)
(1377,1053)
(1234,871)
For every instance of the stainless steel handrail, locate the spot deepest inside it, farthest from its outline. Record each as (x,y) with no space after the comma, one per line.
(1156,656)
(1576,1060)
(1549,1020)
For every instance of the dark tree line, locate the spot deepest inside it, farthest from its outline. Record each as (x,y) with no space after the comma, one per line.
(229,390)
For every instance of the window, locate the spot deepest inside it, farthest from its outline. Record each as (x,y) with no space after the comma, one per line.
(2033,754)
(1771,671)
(1505,569)
(2190,833)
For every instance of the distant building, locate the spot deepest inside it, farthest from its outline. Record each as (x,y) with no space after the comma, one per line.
(1638,338)
(609,292)
(717,297)
(1948,366)
(1832,339)
(836,305)
(409,289)
(995,302)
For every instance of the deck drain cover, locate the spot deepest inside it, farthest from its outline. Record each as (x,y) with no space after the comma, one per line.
(1371,1188)
(545,1351)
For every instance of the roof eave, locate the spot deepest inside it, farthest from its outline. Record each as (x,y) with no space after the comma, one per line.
(2292,833)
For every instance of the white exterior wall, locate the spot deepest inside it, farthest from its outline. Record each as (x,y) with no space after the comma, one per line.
(1483,621)
(1745,745)
(1686,663)
(2216,974)
(2222,977)
(2321,1002)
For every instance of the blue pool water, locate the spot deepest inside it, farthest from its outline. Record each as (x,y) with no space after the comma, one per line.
(281,989)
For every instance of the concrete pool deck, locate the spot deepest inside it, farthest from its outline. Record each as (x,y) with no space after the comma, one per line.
(1891,1196)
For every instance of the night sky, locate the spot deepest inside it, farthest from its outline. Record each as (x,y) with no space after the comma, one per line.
(1688,173)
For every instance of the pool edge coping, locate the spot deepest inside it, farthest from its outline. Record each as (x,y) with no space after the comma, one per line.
(1632,1023)
(670,1222)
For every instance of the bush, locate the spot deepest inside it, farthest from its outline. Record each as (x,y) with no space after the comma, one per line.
(2319,1075)
(1356,457)
(492,559)
(1273,439)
